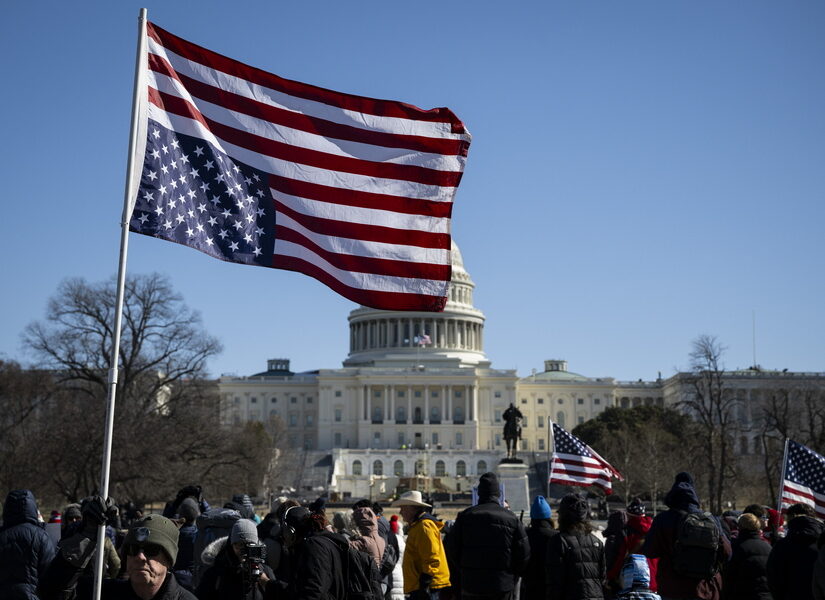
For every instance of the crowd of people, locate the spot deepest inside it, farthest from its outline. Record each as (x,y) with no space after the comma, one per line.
(296,552)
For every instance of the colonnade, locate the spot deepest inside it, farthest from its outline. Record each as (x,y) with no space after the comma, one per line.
(453,409)
(401,333)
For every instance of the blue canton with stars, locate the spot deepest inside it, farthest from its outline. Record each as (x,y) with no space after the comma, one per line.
(805,467)
(567,443)
(193,194)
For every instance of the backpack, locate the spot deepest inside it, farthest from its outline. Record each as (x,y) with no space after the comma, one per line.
(212,524)
(388,561)
(361,576)
(697,545)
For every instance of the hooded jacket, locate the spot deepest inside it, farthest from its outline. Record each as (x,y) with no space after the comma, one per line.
(424,555)
(25,548)
(661,539)
(369,540)
(791,561)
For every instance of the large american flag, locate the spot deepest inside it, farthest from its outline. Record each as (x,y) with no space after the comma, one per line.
(576,463)
(252,168)
(804,478)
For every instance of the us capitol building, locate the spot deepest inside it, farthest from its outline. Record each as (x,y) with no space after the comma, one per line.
(427,416)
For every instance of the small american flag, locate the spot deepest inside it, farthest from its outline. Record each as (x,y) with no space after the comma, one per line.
(576,463)
(252,168)
(423,340)
(804,478)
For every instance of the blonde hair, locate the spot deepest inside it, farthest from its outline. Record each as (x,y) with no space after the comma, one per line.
(749,522)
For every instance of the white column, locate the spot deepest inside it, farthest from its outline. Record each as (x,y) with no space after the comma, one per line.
(364,402)
(435,333)
(445,416)
(392,404)
(449,391)
(386,403)
(410,342)
(409,405)
(471,415)
(426,405)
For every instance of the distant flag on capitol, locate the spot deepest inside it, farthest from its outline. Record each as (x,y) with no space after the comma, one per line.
(576,463)
(422,340)
(249,167)
(804,479)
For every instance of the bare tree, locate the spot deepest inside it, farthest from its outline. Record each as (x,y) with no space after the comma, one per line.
(167,430)
(712,406)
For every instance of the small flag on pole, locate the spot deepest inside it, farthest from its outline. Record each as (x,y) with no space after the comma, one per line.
(422,340)
(804,479)
(249,167)
(576,463)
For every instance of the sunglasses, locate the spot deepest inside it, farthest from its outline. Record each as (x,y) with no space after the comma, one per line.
(149,550)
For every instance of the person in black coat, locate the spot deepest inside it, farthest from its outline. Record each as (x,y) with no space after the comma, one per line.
(25,548)
(539,533)
(791,562)
(487,548)
(227,576)
(745,576)
(575,558)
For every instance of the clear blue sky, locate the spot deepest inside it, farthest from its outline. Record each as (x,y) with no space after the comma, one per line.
(641,172)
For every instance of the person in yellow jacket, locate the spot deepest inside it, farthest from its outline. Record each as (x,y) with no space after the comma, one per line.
(424,566)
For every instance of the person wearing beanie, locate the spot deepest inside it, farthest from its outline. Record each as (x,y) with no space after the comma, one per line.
(635,580)
(226,574)
(487,547)
(150,548)
(660,542)
(636,526)
(188,512)
(541,529)
(575,558)
(745,576)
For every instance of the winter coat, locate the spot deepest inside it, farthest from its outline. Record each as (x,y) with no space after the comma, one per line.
(488,548)
(424,555)
(575,567)
(818,583)
(368,540)
(224,575)
(745,576)
(317,569)
(185,562)
(791,561)
(533,581)
(661,539)
(25,548)
(636,528)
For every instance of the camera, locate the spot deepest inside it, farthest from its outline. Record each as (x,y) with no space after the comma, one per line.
(253,555)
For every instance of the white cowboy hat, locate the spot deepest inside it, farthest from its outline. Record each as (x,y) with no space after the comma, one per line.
(412,498)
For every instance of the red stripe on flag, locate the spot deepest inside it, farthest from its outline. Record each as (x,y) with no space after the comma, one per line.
(352,102)
(384,300)
(370,233)
(315,125)
(346,197)
(362,264)
(313,158)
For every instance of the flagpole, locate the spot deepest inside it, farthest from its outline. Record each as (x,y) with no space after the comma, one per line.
(121,285)
(550,442)
(782,480)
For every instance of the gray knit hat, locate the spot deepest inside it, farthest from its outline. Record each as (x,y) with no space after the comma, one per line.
(244,531)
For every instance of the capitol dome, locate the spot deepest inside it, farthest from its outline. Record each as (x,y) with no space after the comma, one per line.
(391,338)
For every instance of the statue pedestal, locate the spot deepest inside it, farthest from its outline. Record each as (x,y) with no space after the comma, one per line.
(513,476)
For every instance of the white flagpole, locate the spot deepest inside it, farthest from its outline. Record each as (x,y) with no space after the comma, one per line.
(782,480)
(121,284)
(551,441)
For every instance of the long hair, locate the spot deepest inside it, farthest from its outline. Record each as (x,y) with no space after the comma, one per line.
(570,524)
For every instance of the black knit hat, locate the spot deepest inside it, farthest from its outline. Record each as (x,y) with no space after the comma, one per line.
(488,486)
(636,507)
(574,507)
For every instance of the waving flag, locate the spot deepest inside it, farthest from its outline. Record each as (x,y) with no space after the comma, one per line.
(804,478)
(252,168)
(576,463)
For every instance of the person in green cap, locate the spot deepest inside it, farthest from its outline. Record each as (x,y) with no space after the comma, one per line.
(150,546)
